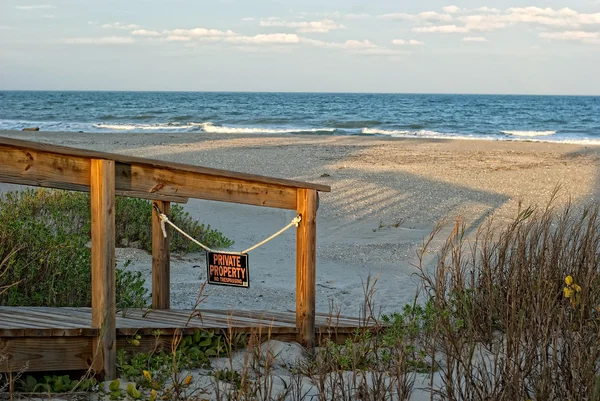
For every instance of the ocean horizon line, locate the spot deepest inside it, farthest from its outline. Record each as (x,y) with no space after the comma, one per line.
(301,92)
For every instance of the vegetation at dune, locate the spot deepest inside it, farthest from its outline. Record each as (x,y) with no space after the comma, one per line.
(511,312)
(517,309)
(44,243)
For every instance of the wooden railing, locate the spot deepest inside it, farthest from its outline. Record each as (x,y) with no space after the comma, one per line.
(105,175)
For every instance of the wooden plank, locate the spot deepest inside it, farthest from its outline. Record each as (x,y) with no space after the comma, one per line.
(55,315)
(38,168)
(103,265)
(235,318)
(279,318)
(44,354)
(152,196)
(150,179)
(161,258)
(46,170)
(90,154)
(35,320)
(306,276)
(47,332)
(42,169)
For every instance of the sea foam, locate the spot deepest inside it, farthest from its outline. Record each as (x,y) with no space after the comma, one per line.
(217,129)
(411,133)
(529,133)
(146,127)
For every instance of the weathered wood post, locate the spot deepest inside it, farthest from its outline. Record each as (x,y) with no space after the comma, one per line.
(102,194)
(161,259)
(306,272)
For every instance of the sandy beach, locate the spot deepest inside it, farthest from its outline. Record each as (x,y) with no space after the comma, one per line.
(387,194)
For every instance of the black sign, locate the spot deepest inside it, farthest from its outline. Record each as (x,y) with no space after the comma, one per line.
(227,269)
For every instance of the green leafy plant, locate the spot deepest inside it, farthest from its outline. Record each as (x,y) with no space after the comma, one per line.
(131,291)
(228,376)
(56,384)
(135,227)
(192,351)
(115,391)
(44,246)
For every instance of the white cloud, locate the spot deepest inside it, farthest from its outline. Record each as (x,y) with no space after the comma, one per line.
(434,16)
(543,16)
(322,26)
(118,25)
(571,35)
(35,7)
(548,16)
(107,40)
(484,22)
(425,16)
(271,39)
(485,19)
(248,19)
(474,39)
(410,42)
(451,9)
(176,38)
(4,27)
(365,47)
(589,18)
(441,29)
(49,16)
(201,33)
(360,44)
(144,32)
(215,35)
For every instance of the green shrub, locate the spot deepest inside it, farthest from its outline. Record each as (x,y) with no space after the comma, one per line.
(50,232)
(134,227)
(130,290)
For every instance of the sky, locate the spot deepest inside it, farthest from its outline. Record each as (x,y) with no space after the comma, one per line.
(427,46)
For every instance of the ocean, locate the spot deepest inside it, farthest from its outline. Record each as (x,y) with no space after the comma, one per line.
(569,119)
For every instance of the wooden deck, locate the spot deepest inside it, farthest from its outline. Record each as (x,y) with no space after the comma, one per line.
(47,339)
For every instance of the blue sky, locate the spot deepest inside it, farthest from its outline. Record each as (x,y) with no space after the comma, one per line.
(520,46)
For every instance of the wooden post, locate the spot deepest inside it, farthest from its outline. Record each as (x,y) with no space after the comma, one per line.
(161,259)
(102,194)
(306,277)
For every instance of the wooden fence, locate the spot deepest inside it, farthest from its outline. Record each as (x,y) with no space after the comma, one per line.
(105,175)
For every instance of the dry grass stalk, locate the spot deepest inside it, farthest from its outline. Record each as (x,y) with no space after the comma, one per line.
(504,328)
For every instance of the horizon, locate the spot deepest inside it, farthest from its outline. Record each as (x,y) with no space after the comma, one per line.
(538,48)
(300,92)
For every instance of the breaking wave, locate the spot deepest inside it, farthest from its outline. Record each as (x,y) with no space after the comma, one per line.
(217,129)
(529,133)
(147,127)
(410,133)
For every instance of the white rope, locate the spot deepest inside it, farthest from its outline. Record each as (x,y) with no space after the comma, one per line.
(295,222)
(165,219)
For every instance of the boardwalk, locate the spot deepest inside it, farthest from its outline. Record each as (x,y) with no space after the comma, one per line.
(71,339)
(47,339)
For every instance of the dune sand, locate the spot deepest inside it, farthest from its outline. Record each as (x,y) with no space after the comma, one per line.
(387,194)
